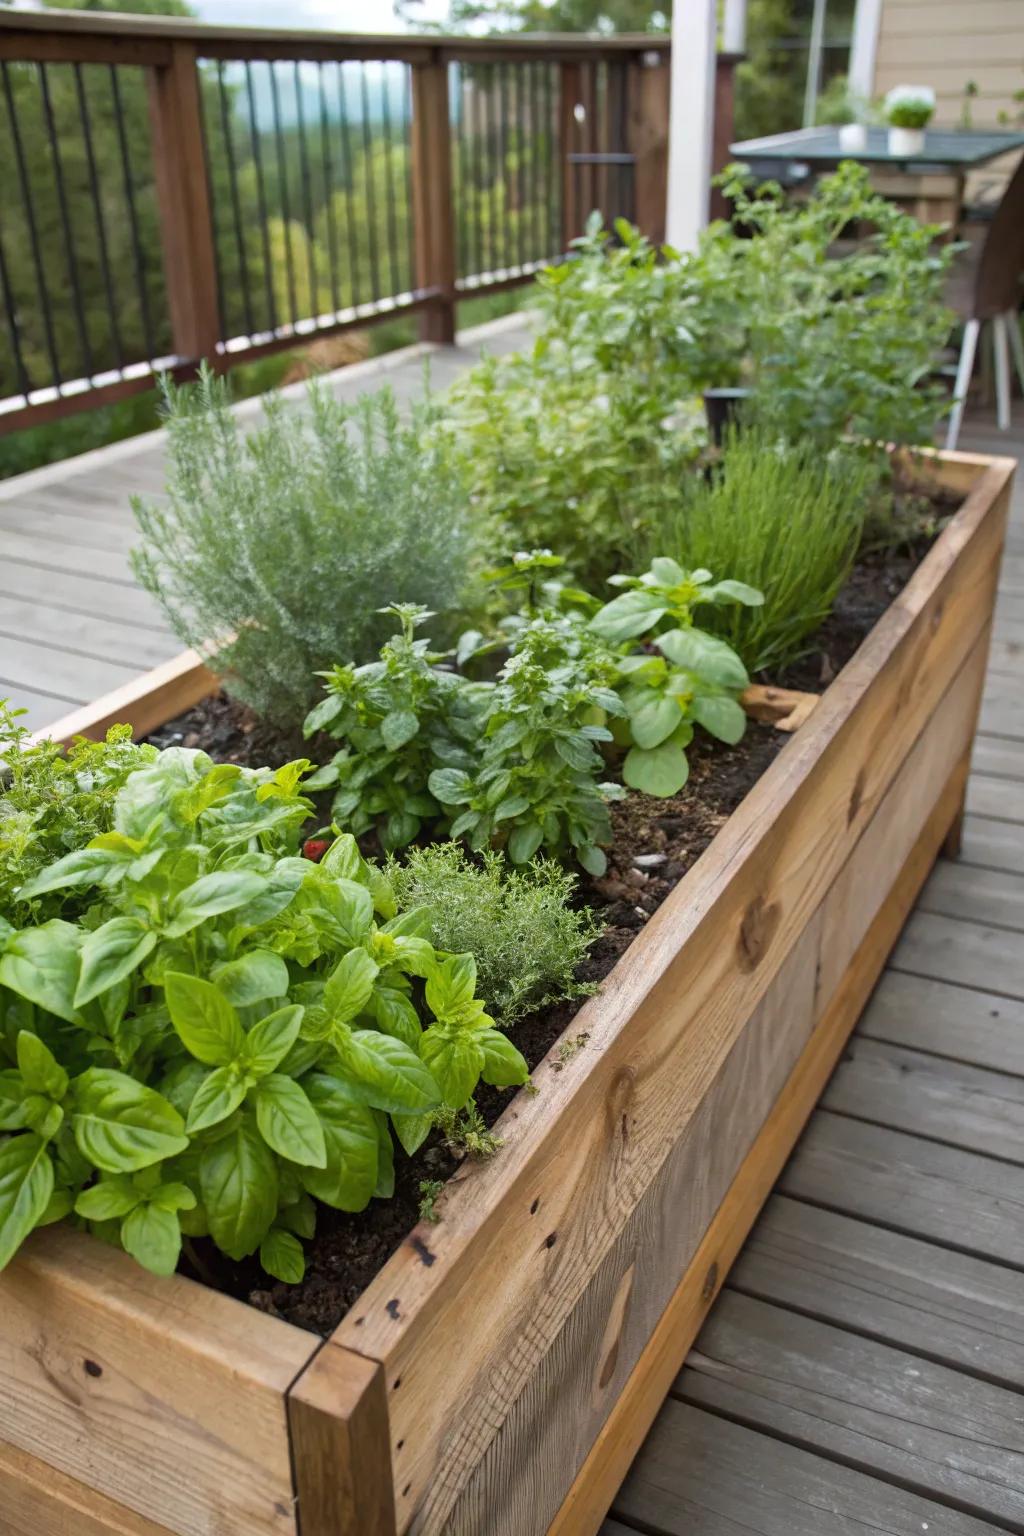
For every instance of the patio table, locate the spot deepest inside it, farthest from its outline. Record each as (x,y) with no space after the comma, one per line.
(948,154)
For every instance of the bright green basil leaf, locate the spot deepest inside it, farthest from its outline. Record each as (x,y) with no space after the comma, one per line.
(452,986)
(654,720)
(288,1121)
(205,1021)
(86,866)
(397,728)
(59,1205)
(396,1016)
(252,978)
(39,1068)
(41,964)
(412,1130)
(12,1100)
(269,1041)
(524,842)
(180,1085)
(593,860)
(349,1177)
(299,1216)
(720,716)
(504,1066)
(451,786)
(631,614)
(662,771)
(111,953)
(26,1184)
(667,572)
(455,1059)
(732,591)
(218,1095)
(386,1073)
(349,986)
(110,1198)
(238,1185)
(343,861)
(153,1238)
(210,895)
(384,1188)
(120,1125)
(174,1196)
(281,1255)
(710,658)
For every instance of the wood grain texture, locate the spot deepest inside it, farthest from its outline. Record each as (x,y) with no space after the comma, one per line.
(144,703)
(967,953)
(691,983)
(36,1500)
(883,1410)
(949,1307)
(927,1095)
(1001,798)
(957,1199)
(640,1398)
(995,844)
(338,1418)
(993,755)
(958,1022)
(992,897)
(163,1396)
(700,1475)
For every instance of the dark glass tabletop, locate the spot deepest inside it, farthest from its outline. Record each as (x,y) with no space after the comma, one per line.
(948,148)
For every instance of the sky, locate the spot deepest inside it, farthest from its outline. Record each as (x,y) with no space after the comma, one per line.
(329,15)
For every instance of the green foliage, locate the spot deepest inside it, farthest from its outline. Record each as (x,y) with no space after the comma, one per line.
(574,443)
(831,344)
(53,802)
(229,1032)
(278,548)
(400,717)
(693,681)
(519,924)
(785,518)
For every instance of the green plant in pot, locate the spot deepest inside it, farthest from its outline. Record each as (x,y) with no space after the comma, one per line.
(908,111)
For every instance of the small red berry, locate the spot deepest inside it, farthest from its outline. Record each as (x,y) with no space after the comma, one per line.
(314,848)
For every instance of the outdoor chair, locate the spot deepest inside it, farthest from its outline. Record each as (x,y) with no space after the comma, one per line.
(985,285)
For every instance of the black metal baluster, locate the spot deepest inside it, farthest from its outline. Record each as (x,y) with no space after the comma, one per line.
(552,206)
(371,193)
(282,176)
(350,222)
(488,151)
(10,309)
(328,175)
(300,117)
(389,184)
(65,219)
(101,228)
(503,178)
(261,198)
(149,334)
(227,325)
(534,178)
(33,232)
(236,202)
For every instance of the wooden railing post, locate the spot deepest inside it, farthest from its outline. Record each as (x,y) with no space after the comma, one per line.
(570,96)
(647,131)
(724,129)
(183,197)
(432,192)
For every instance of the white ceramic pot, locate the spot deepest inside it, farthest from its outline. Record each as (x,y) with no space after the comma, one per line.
(853,138)
(906,142)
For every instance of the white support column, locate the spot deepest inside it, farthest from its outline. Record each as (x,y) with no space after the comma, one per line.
(860,76)
(812,85)
(734,26)
(691,120)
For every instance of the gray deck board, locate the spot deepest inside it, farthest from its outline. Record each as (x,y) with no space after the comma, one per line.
(944,1020)
(994,844)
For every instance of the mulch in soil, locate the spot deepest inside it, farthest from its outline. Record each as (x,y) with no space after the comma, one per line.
(655,842)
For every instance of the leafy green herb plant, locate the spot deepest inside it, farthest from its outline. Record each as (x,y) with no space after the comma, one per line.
(683,676)
(229,1032)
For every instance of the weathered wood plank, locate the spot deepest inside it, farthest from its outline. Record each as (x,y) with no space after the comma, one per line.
(147,701)
(39,708)
(950,1307)
(700,1475)
(37,1500)
(162,1395)
(883,1410)
(959,1022)
(107,639)
(991,896)
(74,559)
(1002,708)
(998,757)
(931,1096)
(60,527)
(338,1417)
(1000,798)
(641,1396)
(68,673)
(963,952)
(80,594)
(942,1194)
(996,844)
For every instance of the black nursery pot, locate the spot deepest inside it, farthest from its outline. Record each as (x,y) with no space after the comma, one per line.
(722,407)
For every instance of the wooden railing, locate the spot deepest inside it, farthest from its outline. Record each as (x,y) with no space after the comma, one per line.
(176,192)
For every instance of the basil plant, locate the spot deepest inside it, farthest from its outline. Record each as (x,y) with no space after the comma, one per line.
(679,677)
(220,1033)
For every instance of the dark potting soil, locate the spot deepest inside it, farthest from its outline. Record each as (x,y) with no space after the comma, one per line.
(654,843)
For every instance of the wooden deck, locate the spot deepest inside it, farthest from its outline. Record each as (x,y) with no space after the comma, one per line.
(73,622)
(863,1370)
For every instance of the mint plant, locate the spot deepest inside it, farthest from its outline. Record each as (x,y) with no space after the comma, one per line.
(399,718)
(228,1033)
(684,676)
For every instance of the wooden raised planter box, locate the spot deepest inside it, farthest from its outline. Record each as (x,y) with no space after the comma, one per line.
(498,1375)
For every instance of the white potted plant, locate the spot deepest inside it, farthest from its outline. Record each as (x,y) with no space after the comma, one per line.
(908,109)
